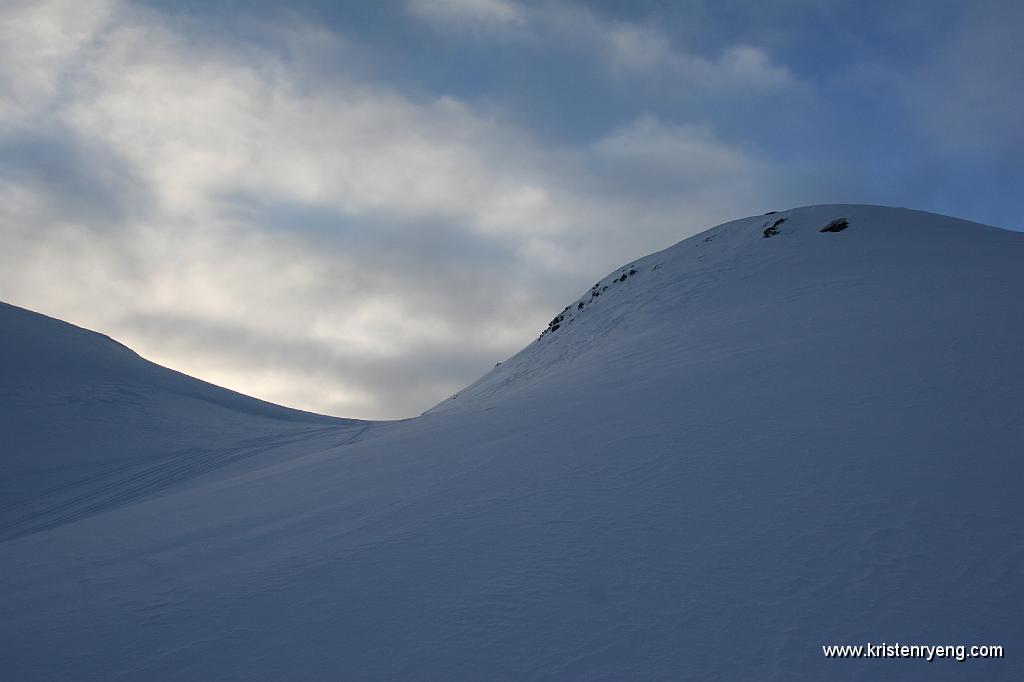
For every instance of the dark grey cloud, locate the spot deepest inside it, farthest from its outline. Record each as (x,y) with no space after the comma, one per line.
(90,181)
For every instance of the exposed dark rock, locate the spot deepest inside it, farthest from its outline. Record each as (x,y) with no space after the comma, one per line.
(555,323)
(837,225)
(773,229)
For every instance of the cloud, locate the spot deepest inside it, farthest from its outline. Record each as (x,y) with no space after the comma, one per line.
(689,154)
(40,43)
(635,49)
(474,14)
(331,242)
(629,49)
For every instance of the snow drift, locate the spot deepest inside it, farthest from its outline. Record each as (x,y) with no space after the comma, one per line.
(722,456)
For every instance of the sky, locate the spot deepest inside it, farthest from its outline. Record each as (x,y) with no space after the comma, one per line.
(358,208)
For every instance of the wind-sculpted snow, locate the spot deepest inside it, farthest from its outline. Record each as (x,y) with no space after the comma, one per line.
(733,452)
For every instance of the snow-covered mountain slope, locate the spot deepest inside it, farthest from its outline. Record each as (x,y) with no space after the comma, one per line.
(735,290)
(748,447)
(87,424)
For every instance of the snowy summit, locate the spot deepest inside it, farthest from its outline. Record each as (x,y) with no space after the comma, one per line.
(792,430)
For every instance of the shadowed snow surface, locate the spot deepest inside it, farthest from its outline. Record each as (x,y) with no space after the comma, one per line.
(744,449)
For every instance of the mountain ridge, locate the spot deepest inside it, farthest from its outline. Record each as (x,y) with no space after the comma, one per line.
(36,329)
(702,253)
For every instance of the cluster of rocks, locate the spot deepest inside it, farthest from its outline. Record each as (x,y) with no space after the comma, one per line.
(770,230)
(595,291)
(554,324)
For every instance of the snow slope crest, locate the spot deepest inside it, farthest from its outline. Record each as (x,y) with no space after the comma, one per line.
(742,263)
(88,425)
